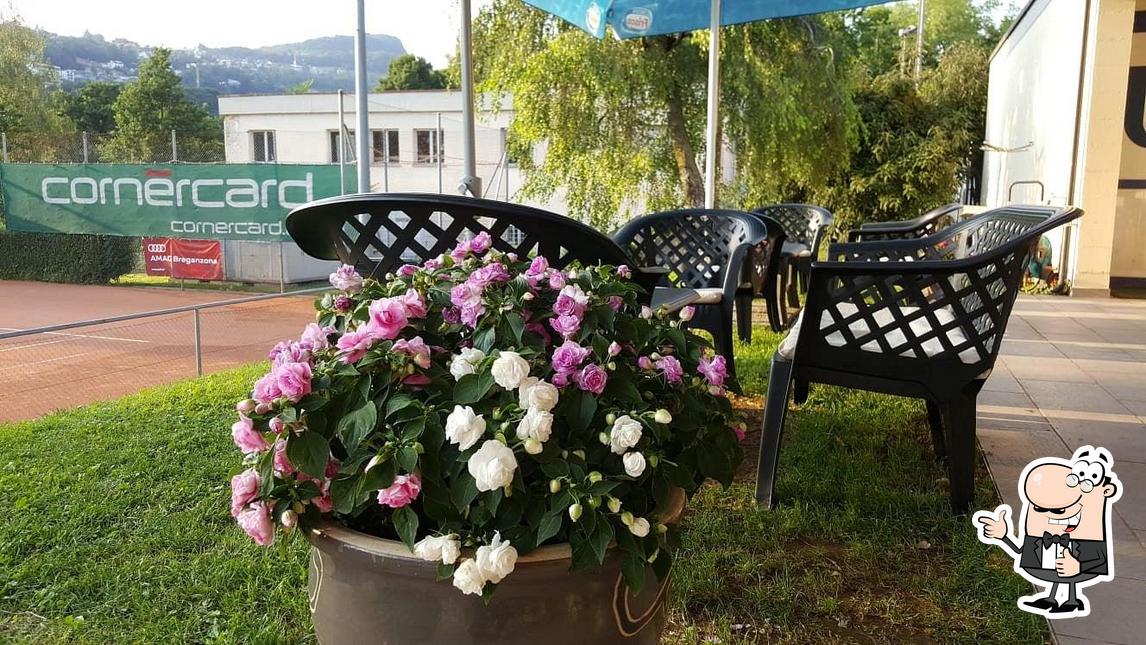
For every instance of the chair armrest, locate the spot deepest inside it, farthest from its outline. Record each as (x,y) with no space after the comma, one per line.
(909,250)
(648,277)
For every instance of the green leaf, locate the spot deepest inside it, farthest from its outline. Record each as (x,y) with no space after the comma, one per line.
(550,526)
(484,339)
(445,571)
(633,569)
(397,402)
(472,388)
(408,459)
(463,491)
(412,429)
(581,411)
(355,425)
(309,452)
(344,492)
(602,536)
(377,478)
(516,325)
(406,523)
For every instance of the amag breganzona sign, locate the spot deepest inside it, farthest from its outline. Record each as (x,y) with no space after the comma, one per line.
(203,201)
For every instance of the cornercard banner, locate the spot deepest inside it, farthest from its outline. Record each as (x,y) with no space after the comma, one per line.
(200,201)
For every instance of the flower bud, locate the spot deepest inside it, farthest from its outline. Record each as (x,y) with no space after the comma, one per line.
(653,460)
(554,486)
(661,528)
(497,414)
(527,296)
(626,518)
(603,438)
(595,477)
(594,502)
(610,418)
(614,505)
(374,461)
(263,408)
(247,406)
(289,520)
(296,507)
(500,437)
(580,454)
(663,417)
(655,356)
(575,512)
(505,426)
(687,312)
(533,446)
(419,448)
(653,557)
(646,312)
(611,366)
(409,368)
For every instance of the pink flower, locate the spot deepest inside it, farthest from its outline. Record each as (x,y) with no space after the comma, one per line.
(416,349)
(740,433)
(342,304)
(387,318)
(592,379)
(687,312)
(288,352)
(470,314)
(452,315)
(493,272)
(614,349)
(246,437)
(266,389)
(332,466)
(537,267)
(556,280)
(282,465)
(572,301)
(244,488)
(466,294)
(315,337)
(416,380)
(624,271)
(404,490)
(256,521)
(644,363)
(565,325)
(293,379)
(670,367)
(324,503)
(568,357)
(481,243)
(346,279)
(616,302)
(714,369)
(432,264)
(415,304)
(353,345)
(560,379)
(276,424)
(407,270)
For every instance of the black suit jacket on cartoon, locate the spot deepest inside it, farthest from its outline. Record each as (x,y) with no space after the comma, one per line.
(1065,540)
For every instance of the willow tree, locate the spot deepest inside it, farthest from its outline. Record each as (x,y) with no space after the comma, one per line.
(619,125)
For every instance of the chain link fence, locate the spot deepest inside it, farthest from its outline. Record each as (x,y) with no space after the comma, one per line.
(88,147)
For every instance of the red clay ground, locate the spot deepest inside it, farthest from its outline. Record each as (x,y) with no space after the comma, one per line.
(43,372)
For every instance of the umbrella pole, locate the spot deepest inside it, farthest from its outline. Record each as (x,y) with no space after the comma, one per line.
(470,183)
(710,134)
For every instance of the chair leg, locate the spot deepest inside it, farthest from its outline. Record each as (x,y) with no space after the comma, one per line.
(744,315)
(723,340)
(777,304)
(959,428)
(935,422)
(793,286)
(800,392)
(775,407)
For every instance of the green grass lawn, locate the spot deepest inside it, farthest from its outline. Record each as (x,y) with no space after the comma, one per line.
(116,529)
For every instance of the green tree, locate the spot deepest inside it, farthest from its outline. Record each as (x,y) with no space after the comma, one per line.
(28,111)
(301,88)
(622,122)
(409,72)
(150,108)
(91,108)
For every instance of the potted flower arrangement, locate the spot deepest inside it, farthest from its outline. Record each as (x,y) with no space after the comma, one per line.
(493,422)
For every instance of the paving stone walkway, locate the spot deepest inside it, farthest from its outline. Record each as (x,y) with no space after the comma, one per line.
(1072,371)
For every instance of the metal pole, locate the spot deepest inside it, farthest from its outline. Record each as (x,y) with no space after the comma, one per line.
(341,146)
(4,146)
(505,160)
(84,138)
(386,172)
(470,182)
(439,152)
(282,277)
(362,134)
(710,132)
(198,344)
(174,147)
(919,42)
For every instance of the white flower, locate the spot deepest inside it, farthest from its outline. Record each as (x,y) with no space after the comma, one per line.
(663,417)
(646,312)
(497,560)
(535,393)
(445,548)
(634,464)
(468,578)
(492,466)
(464,427)
(509,369)
(625,434)
(465,362)
(639,527)
(536,424)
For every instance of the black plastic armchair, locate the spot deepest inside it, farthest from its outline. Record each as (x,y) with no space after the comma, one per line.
(926,224)
(377,233)
(805,225)
(704,250)
(920,318)
(763,279)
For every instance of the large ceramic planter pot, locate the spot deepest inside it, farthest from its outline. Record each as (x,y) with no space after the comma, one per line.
(365,589)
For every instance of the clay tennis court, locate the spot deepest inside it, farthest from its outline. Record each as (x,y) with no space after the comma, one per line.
(43,372)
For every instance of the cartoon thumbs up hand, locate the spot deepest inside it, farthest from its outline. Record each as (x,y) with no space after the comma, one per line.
(994,525)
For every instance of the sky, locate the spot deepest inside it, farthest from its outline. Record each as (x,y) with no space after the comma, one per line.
(427,28)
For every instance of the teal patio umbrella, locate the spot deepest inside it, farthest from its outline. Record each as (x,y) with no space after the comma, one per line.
(639,18)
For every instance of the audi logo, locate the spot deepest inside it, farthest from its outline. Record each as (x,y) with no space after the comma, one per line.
(156,248)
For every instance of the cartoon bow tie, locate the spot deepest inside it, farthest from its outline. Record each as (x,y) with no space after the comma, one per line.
(1048,540)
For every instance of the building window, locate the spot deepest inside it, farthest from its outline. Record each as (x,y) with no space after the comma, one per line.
(264,145)
(384,145)
(347,147)
(429,145)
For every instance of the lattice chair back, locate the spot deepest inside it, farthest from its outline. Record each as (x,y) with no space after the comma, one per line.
(945,298)
(377,233)
(702,248)
(803,223)
(931,222)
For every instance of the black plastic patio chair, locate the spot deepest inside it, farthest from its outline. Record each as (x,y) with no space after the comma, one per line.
(705,250)
(805,225)
(377,233)
(920,318)
(763,279)
(930,222)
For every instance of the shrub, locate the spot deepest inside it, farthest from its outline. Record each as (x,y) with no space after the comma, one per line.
(58,257)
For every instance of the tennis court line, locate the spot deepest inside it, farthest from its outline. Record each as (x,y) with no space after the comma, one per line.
(92,336)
